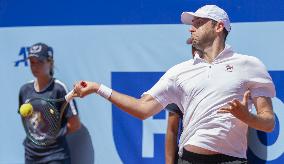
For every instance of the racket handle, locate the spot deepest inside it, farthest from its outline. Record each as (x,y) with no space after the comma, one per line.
(69,95)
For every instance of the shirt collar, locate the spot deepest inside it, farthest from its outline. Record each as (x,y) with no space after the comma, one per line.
(197,58)
(47,86)
(227,52)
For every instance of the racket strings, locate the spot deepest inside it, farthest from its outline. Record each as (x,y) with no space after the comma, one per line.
(52,120)
(52,116)
(45,126)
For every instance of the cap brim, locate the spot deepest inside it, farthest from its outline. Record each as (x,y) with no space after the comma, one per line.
(187,17)
(36,56)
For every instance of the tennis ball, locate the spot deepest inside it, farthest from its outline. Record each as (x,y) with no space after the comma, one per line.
(26,110)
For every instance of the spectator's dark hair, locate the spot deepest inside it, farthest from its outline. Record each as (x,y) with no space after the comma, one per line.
(51,72)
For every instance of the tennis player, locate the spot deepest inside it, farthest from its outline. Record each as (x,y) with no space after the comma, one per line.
(214,91)
(46,86)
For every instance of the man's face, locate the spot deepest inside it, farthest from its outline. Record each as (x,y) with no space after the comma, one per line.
(202,33)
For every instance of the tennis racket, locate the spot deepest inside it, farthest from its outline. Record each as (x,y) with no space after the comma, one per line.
(43,123)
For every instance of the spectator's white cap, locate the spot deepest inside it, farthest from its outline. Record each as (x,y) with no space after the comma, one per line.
(208,11)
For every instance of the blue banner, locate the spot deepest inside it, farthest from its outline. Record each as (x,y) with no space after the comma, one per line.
(113,12)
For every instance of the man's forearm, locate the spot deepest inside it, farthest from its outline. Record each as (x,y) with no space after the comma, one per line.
(140,108)
(262,121)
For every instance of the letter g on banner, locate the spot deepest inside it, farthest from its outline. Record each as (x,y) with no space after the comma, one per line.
(138,141)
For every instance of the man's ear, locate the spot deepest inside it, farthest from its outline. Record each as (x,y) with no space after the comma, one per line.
(219,27)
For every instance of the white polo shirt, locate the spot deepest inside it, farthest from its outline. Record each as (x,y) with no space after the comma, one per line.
(200,89)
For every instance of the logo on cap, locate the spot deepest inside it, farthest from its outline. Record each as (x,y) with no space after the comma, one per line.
(35,49)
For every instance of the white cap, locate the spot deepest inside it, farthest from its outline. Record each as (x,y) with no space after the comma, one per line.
(208,11)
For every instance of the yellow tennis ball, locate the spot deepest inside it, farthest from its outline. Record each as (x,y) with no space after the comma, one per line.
(26,110)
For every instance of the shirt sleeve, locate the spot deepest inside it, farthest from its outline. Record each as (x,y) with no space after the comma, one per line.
(165,90)
(259,81)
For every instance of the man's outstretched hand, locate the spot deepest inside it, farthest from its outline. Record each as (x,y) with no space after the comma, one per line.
(237,108)
(85,89)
